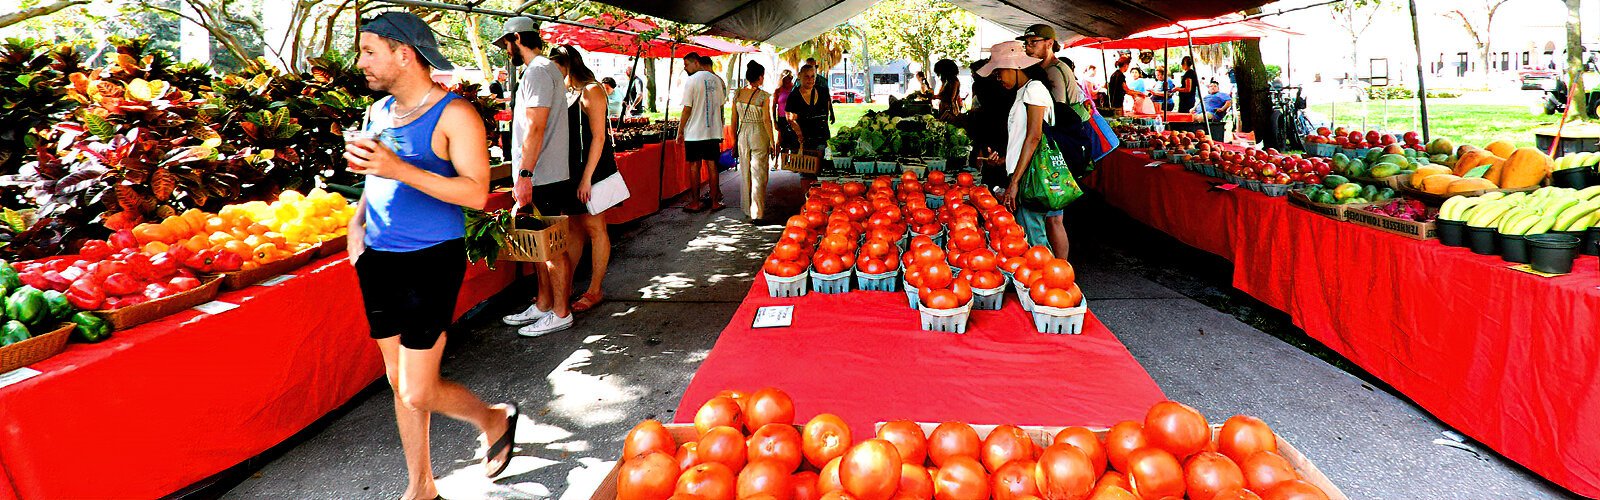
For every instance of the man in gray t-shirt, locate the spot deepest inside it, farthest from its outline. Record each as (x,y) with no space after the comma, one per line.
(539,152)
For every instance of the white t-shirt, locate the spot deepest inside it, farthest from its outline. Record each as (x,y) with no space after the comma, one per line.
(1034,93)
(704,93)
(543,86)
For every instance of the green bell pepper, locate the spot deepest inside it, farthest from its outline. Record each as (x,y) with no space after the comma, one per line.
(26,305)
(57,306)
(13,332)
(9,276)
(90,328)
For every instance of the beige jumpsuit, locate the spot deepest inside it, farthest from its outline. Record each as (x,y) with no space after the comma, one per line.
(755,150)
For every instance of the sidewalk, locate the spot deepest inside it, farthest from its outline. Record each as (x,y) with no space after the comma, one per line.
(676,278)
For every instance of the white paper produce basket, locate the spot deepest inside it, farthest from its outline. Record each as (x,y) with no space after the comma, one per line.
(1022,295)
(1059,320)
(831,283)
(793,286)
(988,299)
(881,282)
(946,320)
(911,294)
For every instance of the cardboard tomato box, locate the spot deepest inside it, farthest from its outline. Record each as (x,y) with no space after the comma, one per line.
(1404,227)
(1042,436)
(1335,212)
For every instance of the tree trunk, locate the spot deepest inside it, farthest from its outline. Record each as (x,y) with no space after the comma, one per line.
(36,11)
(1580,100)
(475,38)
(1255,100)
(650,84)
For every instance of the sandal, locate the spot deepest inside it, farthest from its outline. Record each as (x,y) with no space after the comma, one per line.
(717,206)
(587,301)
(503,444)
(697,206)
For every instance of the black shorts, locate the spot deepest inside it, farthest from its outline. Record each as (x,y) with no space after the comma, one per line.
(708,150)
(558,198)
(412,294)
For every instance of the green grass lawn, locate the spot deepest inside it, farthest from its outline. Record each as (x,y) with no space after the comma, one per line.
(845,114)
(1476,124)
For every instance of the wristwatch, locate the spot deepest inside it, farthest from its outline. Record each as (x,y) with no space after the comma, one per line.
(526,174)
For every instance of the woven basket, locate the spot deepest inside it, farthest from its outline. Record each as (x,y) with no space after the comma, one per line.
(35,349)
(528,245)
(241,279)
(126,317)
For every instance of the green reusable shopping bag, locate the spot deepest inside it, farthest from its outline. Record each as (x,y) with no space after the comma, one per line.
(1048,185)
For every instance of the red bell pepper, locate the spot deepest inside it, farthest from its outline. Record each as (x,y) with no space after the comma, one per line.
(85,295)
(163,266)
(95,250)
(123,239)
(155,291)
(141,267)
(35,279)
(202,261)
(122,284)
(227,262)
(55,281)
(183,284)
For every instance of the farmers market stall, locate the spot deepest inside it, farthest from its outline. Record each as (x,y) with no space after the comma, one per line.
(862,356)
(163,405)
(1504,356)
(648,170)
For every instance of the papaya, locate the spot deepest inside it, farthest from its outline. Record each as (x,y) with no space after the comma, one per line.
(1424,172)
(1525,167)
(1495,171)
(1468,185)
(1441,146)
(1333,181)
(1438,183)
(1501,148)
(1394,149)
(1473,159)
(1384,170)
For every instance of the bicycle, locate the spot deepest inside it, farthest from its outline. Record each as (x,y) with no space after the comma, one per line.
(1289,118)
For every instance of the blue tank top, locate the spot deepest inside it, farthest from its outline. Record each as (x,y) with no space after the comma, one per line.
(401,218)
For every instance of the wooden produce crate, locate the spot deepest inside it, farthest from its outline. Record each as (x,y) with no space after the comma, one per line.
(333,246)
(536,245)
(126,317)
(37,348)
(1335,212)
(1404,227)
(241,279)
(607,489)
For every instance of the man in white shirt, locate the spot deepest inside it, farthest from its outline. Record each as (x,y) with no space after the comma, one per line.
(700,129)
(539,148)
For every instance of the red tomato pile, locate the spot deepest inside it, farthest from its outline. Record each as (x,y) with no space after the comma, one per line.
(1355,139)
(1050,281)
(747,447)
(1269,165)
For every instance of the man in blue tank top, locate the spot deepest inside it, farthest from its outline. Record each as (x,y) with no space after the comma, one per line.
(406,239)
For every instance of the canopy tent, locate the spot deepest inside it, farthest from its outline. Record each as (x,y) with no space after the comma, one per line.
(612,41)
(1229,28)
(787,23)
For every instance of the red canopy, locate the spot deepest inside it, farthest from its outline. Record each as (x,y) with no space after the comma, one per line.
(600,40)
(1229,28)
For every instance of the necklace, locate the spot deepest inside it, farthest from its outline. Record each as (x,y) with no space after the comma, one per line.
(414,110)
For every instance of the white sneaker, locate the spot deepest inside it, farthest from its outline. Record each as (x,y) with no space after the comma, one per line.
(548,323)
(527,316)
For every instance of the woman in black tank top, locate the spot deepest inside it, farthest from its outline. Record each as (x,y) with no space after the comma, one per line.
(593,160)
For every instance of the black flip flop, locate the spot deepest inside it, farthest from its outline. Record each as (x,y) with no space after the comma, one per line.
(504,443)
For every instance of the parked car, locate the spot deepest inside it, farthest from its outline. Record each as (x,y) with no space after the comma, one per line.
(848,96)
(1537,78)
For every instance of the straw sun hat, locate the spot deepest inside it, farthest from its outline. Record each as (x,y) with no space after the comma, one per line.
(1007,55)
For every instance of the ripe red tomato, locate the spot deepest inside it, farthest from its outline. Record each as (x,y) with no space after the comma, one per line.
(827,263)
(768,406)
(778,442)
(1113,493)
(967,240)
(724,445)
(1014,247)
(765,477)
(1039,291)
(647,437)
(1265,469)
(711,481)
(1038,256)
(915,483)
(1208,473)
(1085,441)
(789,269)
(796,221)
(1059,274)
(717,411)
(1154,473)
(908,439)
(982,260)
(828,480)
(854,188)
(928,254)
(1004,444)
(871,470)
(1056,297)
(935,177)
(1013,264)
(1176,428)
(961,478)
(1001,218)
(837,244)
(1014,480)
(962,288)
(987,280)
(938,298)
(1071,297)
(804,485)
(689,455)
(876,248)
(786,250)
(1237,494)
(1111,479)
(964,179)
(1063,471)
(652,476)
(1122,439)
(1295,489)
(825,438)
(923,216)
(1243,435)
(952,439)
(736,395)
(870,265)
(937,275)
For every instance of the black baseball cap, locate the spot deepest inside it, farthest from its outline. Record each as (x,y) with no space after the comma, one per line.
(407,28)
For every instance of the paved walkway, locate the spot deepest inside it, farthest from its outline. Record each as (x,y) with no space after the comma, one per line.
(677,278)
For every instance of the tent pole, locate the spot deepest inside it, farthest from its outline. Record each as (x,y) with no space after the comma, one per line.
(1422,85)
(623,113)
(1204,113)
(1166,62)
(1105,71)
(666,115)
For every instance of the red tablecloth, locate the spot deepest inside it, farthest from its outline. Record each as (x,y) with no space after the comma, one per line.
(166,404)
(645,170)
(1508,358)
(863,356)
